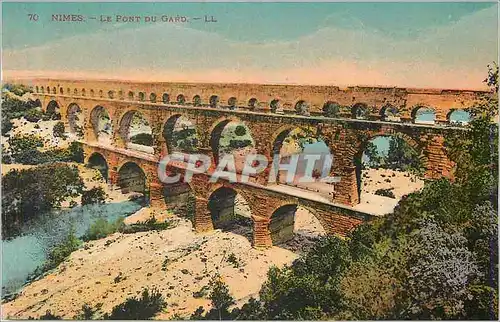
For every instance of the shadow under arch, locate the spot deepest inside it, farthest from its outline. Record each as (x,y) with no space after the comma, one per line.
(53,110)
(101,123)
(292,221)
(229,211)
(97,161)
(132,179)
(75,119)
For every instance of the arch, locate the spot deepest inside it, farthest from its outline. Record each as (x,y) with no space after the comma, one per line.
(61,90)
(458,117)
(423,115)
(111,94)
(136,131)
(389,113)
(165,98)
(83,91)
(181,99)
(68,91)
(130,96)
(331,109)
(37,89)
(275,106)
(101,94)
(53,110)
(253,103)
(180,134)
(295,144)
(97,161)
(101,124)
(360,111)
(236,135)
(48,90)
(196,100)
(392,153)
(131,178)
(232,102)
(54,90)
(180,199)
(302,108)
(142,96)
(42,89)
(75,92)
(214,101)
(92,93)
(120,95)
(75,120)
(230,212)
(152,98)
(289,220)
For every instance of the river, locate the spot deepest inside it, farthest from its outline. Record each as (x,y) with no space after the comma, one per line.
(23,254)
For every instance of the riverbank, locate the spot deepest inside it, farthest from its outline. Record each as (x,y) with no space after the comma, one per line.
(176,261)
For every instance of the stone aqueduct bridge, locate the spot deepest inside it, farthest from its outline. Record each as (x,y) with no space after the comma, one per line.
(210,106)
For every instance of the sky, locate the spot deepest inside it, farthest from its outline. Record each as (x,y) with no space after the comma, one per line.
(444,45)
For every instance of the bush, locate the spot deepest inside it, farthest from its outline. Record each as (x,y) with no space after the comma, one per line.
(142,139)
(58,130)
(142,308)
(61,251)
(240,130)
(385,193)
(95,195)
(150,224)
(33,115)
(48,186)
(102,228)
(7,125)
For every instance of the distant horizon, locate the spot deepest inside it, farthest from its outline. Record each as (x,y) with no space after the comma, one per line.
(11,78)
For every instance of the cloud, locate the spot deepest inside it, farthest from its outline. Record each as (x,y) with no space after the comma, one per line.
(451,56)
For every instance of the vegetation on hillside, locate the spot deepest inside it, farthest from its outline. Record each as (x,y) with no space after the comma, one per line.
(30,192)
(434,257)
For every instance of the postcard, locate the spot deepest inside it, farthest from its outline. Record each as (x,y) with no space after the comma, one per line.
(249,160)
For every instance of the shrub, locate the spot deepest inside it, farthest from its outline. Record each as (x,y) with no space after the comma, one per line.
(61,251)
(102,228)
(142,139)
(48,186)
(33,115)
(240,130)
(385,193)
(150,224)
(95,195)
(58,130)
(142,308)
(7,125)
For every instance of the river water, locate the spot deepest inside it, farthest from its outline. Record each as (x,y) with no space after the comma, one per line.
(23,254)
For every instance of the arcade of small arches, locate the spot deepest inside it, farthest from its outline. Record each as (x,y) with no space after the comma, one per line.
(420,113)
(158,132)
(266,216)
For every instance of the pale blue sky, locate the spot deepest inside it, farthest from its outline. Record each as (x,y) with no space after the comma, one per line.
(407,44)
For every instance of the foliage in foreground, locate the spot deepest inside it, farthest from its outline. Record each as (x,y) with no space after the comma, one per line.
(29,193)
(143,308)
